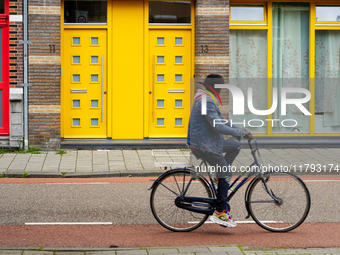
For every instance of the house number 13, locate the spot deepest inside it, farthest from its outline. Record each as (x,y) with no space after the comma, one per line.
(205,48)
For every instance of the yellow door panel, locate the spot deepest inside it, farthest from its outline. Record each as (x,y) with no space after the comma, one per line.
(170,61)
(127,70)
(84,83)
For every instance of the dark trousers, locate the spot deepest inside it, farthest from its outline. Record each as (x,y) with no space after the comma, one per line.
(231,148)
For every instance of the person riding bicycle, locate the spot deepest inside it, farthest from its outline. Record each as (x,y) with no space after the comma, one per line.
(206,141)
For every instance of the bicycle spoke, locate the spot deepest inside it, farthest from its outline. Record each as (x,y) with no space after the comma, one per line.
(163,202)
(293,204)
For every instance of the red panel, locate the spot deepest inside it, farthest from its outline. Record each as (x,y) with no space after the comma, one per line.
(4,85)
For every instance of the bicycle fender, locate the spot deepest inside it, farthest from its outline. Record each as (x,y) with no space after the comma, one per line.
(159,177)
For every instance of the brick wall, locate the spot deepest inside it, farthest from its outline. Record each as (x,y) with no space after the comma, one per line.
(212,42)
(44,73)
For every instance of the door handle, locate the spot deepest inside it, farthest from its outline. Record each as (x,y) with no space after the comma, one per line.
(153,88)
(102,92)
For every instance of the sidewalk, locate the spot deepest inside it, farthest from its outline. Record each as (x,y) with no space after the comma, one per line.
(115,163)
(212,250)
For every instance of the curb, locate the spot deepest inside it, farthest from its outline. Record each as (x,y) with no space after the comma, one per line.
(93,175)
(120,249)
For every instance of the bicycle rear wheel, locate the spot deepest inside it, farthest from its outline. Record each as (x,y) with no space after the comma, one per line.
(164,193)
(286,215)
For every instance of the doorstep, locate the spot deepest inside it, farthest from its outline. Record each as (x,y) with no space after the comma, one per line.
(123,143)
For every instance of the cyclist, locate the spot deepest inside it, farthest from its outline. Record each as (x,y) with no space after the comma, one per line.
(206,141)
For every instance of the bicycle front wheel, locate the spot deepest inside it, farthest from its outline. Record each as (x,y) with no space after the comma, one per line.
(285,215)
(164,193)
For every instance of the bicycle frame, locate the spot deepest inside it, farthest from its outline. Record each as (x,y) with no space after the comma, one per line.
(189,203)
(246,178)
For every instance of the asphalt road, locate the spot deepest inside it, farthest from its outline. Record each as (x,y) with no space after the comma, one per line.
(126,205)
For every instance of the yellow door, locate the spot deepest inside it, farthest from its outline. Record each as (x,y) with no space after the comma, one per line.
(169,86)
(84,84)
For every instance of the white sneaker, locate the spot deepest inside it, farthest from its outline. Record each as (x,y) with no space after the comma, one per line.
(223,218)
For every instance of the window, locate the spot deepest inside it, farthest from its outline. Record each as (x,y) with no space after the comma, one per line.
(2,6)
(246,12)
(290,59)
(248,68)
(327,85)
(85,11)
(328,13)
(170,12)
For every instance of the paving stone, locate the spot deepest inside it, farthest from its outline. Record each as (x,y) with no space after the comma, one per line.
(69,253)
(132,252)
(67,170)
(265,253)
(14,170)
(129,152)
(163,251)
(100,168)
(134,167)
(120,159)
(38,252)
(218,249)
(32,169)
(234,251)
(131,157)
(34,164)
(67,164)
(52,158)
(144,152)
(84,169)
(101,253)
(113,154)
(117,168)
(193,249)
(51,169)
(10,252)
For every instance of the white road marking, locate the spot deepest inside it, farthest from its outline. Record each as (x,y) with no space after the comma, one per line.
(321,181)
(68,223)
(238,222)
(81,183)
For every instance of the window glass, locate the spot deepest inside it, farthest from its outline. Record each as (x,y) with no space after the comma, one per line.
(160,122)
(178,122)
(76,122)
(170,12)
(76,103)
(94,122)
(94,103)
(85,11)
(328,13)
(246,12)
(290,63)
(178,103)
(327,85)
(248,69)
(2,6)
(160,103)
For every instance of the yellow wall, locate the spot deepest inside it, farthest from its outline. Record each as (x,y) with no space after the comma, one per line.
(127,71)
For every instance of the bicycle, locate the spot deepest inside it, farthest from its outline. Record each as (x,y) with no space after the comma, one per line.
(182,199)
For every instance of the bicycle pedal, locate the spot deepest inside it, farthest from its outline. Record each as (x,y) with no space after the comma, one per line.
(223,226)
